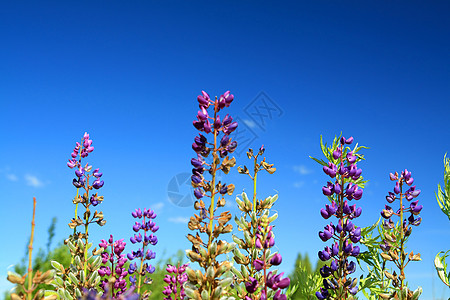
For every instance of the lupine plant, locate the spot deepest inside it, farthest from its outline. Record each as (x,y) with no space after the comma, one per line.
(443,199)
(83,271)
(395,235)
(143,254)
(113,267)
(28,282)
(208,284)
(346,185)
(253,281)
(175,290)
(92,294)
(214,279)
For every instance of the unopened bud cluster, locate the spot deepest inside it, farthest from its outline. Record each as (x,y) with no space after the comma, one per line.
(252,280)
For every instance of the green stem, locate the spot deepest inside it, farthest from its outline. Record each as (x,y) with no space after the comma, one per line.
(265,278)
(342,272)
(254,185)
(112,270)
(254,228)
(211,207)
(402,261)
(76,205)
(30,250)
(142,263)
(86,225)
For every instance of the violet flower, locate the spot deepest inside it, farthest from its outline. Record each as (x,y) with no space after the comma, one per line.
(148,228)
(115,269)
(205,183)
(345,185)
(394,237)
(175,282)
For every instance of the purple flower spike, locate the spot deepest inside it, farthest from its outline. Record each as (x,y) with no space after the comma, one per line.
(228,98)
(136,227)
(335,249)
(258,264)
(98,184)
(148,238)
(79,172)
(223,190)
(276,259)
(346,141)
(77,183)
(217,123)
(337,153)
(202,114)
(203,100)
(198,193)
(97,174)
(325,235)
(345,173)
(325,214)
(324,255)
(351,158)
(252,285)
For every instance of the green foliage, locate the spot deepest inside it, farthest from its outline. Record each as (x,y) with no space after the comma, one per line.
(379,283)
(375,282)
(305,281)
(62,255)
(443,199)
(41,262)
(441,267)
(443,193)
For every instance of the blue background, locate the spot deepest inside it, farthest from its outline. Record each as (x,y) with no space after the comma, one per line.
(129,73)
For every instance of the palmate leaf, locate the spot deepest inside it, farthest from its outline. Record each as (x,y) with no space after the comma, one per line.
(441,267)
(320,161)
(443,193)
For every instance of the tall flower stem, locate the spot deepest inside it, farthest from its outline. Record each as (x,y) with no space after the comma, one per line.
(254,183)
(213,184)
(76,206)
(402,258)
(86,225)
(395,236)
(30,252)
(141,266)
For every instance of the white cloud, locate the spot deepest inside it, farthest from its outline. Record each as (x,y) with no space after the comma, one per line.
(33,181)
(303,170)
(230,203)
(182,220)
(250,123)
(157,207)
(12,177)
(299,184)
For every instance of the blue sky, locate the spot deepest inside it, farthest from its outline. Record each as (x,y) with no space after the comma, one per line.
(129,74)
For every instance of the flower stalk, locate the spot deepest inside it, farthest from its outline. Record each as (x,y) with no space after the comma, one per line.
(396,236)
(346,185)
(209,284)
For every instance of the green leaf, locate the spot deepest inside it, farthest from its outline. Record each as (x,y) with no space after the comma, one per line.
(96,263)
(319,161)
(441,267)
(74,279)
